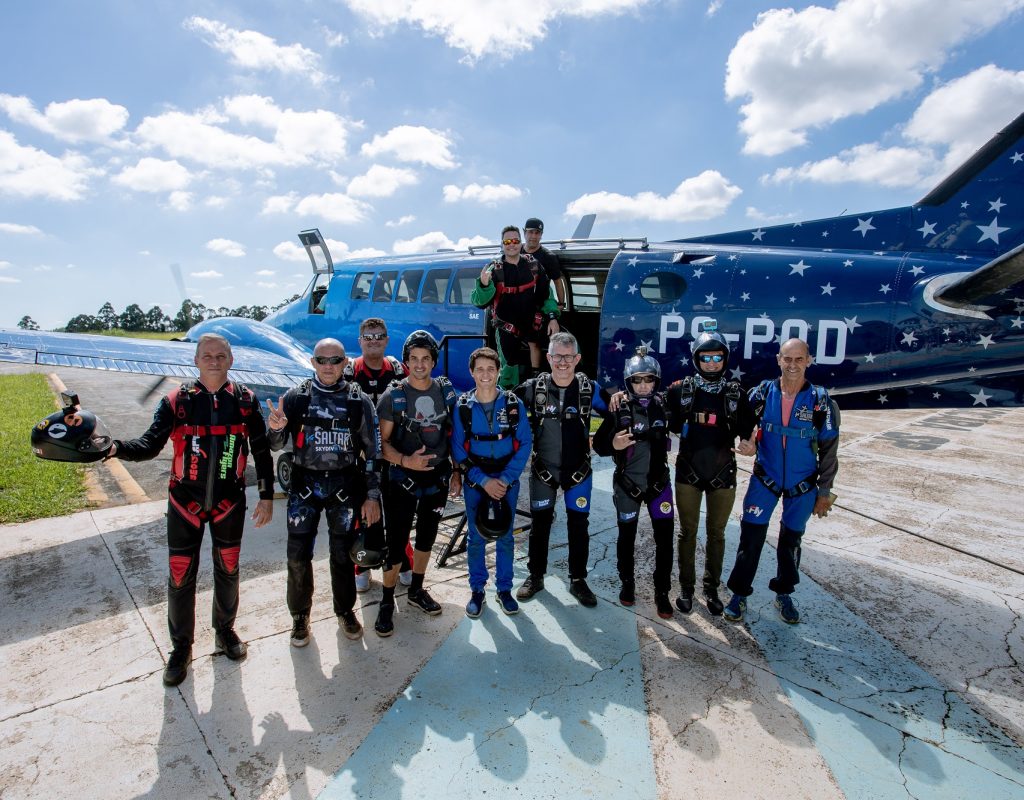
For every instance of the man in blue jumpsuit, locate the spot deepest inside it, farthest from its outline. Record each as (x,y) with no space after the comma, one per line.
(491,443)
(797,461)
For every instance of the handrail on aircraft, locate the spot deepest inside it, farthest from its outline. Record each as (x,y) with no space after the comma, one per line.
(639,242)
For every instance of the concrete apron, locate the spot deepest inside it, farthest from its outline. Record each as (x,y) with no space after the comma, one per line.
(903,677)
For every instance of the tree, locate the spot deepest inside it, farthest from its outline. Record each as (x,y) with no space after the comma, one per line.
(133,318)
(188,315)
(108,316)
(259,313)
(157,320)
(283,303)
(26,323)
(84,323)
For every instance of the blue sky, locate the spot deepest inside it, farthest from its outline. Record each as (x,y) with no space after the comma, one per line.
(207,134)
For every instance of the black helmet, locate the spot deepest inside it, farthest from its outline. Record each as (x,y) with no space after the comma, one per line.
(420,339)
(493,518)
(708,342)
(641,364)
(369,551)
(71,435)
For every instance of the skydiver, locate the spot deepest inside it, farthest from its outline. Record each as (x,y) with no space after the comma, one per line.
(532,232)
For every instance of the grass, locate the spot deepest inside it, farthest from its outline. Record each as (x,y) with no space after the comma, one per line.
(31,488)
(141,334)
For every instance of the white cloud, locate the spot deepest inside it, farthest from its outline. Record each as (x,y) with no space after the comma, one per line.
(215,201)
(363,252)
(153,175)
(404,220)
(713,8)
(299,137)
(226,247)
(265,273)
(5,264)
(764,217)
(289,251)
(14,227)
(266,285)
(210,273)
(487,195)
(381,181)
(703,197)
(9,279)
(30,172)
(866,163)
(414,144)
(433,241)
(280,204)
(179,201)
(334,207)
(481,29)
(334,38)
(94,120)
(799,70)
(255,50)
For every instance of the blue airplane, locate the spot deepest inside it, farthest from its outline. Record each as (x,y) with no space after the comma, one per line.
(905,307)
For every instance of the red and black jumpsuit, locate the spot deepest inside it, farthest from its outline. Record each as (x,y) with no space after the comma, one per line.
(213,434)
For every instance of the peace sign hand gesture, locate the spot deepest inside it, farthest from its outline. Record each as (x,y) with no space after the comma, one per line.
(277,419)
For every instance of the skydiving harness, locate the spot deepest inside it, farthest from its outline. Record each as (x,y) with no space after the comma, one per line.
(758,399)
(350,420)
(732,392)
(501,288)
(408,429)
(508,424)
(540,412)
(657,425)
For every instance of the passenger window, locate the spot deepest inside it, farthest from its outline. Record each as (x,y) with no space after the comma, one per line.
(384,286)
(409,286)
(662,287)
(585,292)
(434,286)
(361,286)
(463,285)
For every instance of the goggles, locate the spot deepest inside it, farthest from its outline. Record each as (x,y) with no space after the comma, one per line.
(636,380)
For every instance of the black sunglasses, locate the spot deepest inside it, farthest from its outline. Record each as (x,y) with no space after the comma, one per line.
(322,360)
(373,337)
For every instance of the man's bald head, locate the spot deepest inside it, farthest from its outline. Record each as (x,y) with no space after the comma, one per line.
(330,347)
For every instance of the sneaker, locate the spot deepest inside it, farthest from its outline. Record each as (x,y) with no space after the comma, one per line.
(715,605)
(300,630)
(663,605)
(363,581)
(475,606)
(177,665)
(424,602)
(627,594)
(530,587)
(685,601)
(734,611)
(508,603)
(350,625)
(228,643)
(787,609)
(579,589)
(384,626)
(405,578)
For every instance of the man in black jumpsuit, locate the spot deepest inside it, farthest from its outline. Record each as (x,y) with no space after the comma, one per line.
(213,424)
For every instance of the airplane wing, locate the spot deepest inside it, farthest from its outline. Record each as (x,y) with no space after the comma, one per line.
(998,275)
(252,366)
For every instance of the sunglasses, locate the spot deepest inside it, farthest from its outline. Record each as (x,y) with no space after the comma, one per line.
(373,337)
(707,359)
(510,241)
(637,380)
(562,359)
(332,360)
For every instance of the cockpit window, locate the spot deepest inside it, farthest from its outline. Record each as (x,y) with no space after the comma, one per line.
(361,286)
(434,286)
(384,286)
(409,286)
(663,287)
(318,294)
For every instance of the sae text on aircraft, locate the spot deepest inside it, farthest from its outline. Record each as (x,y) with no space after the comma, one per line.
(914,306)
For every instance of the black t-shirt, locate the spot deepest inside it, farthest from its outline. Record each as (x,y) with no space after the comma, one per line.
(547,260)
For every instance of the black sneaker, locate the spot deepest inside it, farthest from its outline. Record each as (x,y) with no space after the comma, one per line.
(228,643)
(350,625)
(177,665)
(530,587)
(627,594)
(685,601)
(424,602)
(663,605)
(384,626)
(715,605)
(300,630)
(579,589)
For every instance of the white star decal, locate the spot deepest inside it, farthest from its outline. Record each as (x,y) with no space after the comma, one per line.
(851,323)
(633,289)
(915,271)
(883,398)
(710,299)
(936,395)
(800,267)
(985,341)
(632,319)
(633,261)
(1017,323)
(928,229)
(737,374)
(1017,157)
(698,272)
(863,226)
(758,235)
(996,205)
(828,288)
(981,399)
(964,204)
(962,258)
(870,358)
(743,272)
(746,296)
(824,234)
(764,315)
(732,258)
(909,338)
(991,231)
(946,331)
(792,299)
(649,345)
(848,263)
(885,288)
(619,346)
(972,369)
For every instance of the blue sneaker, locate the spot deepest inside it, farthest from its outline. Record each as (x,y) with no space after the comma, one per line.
(787,609)
(508,603)
(475,606)
(734,610)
